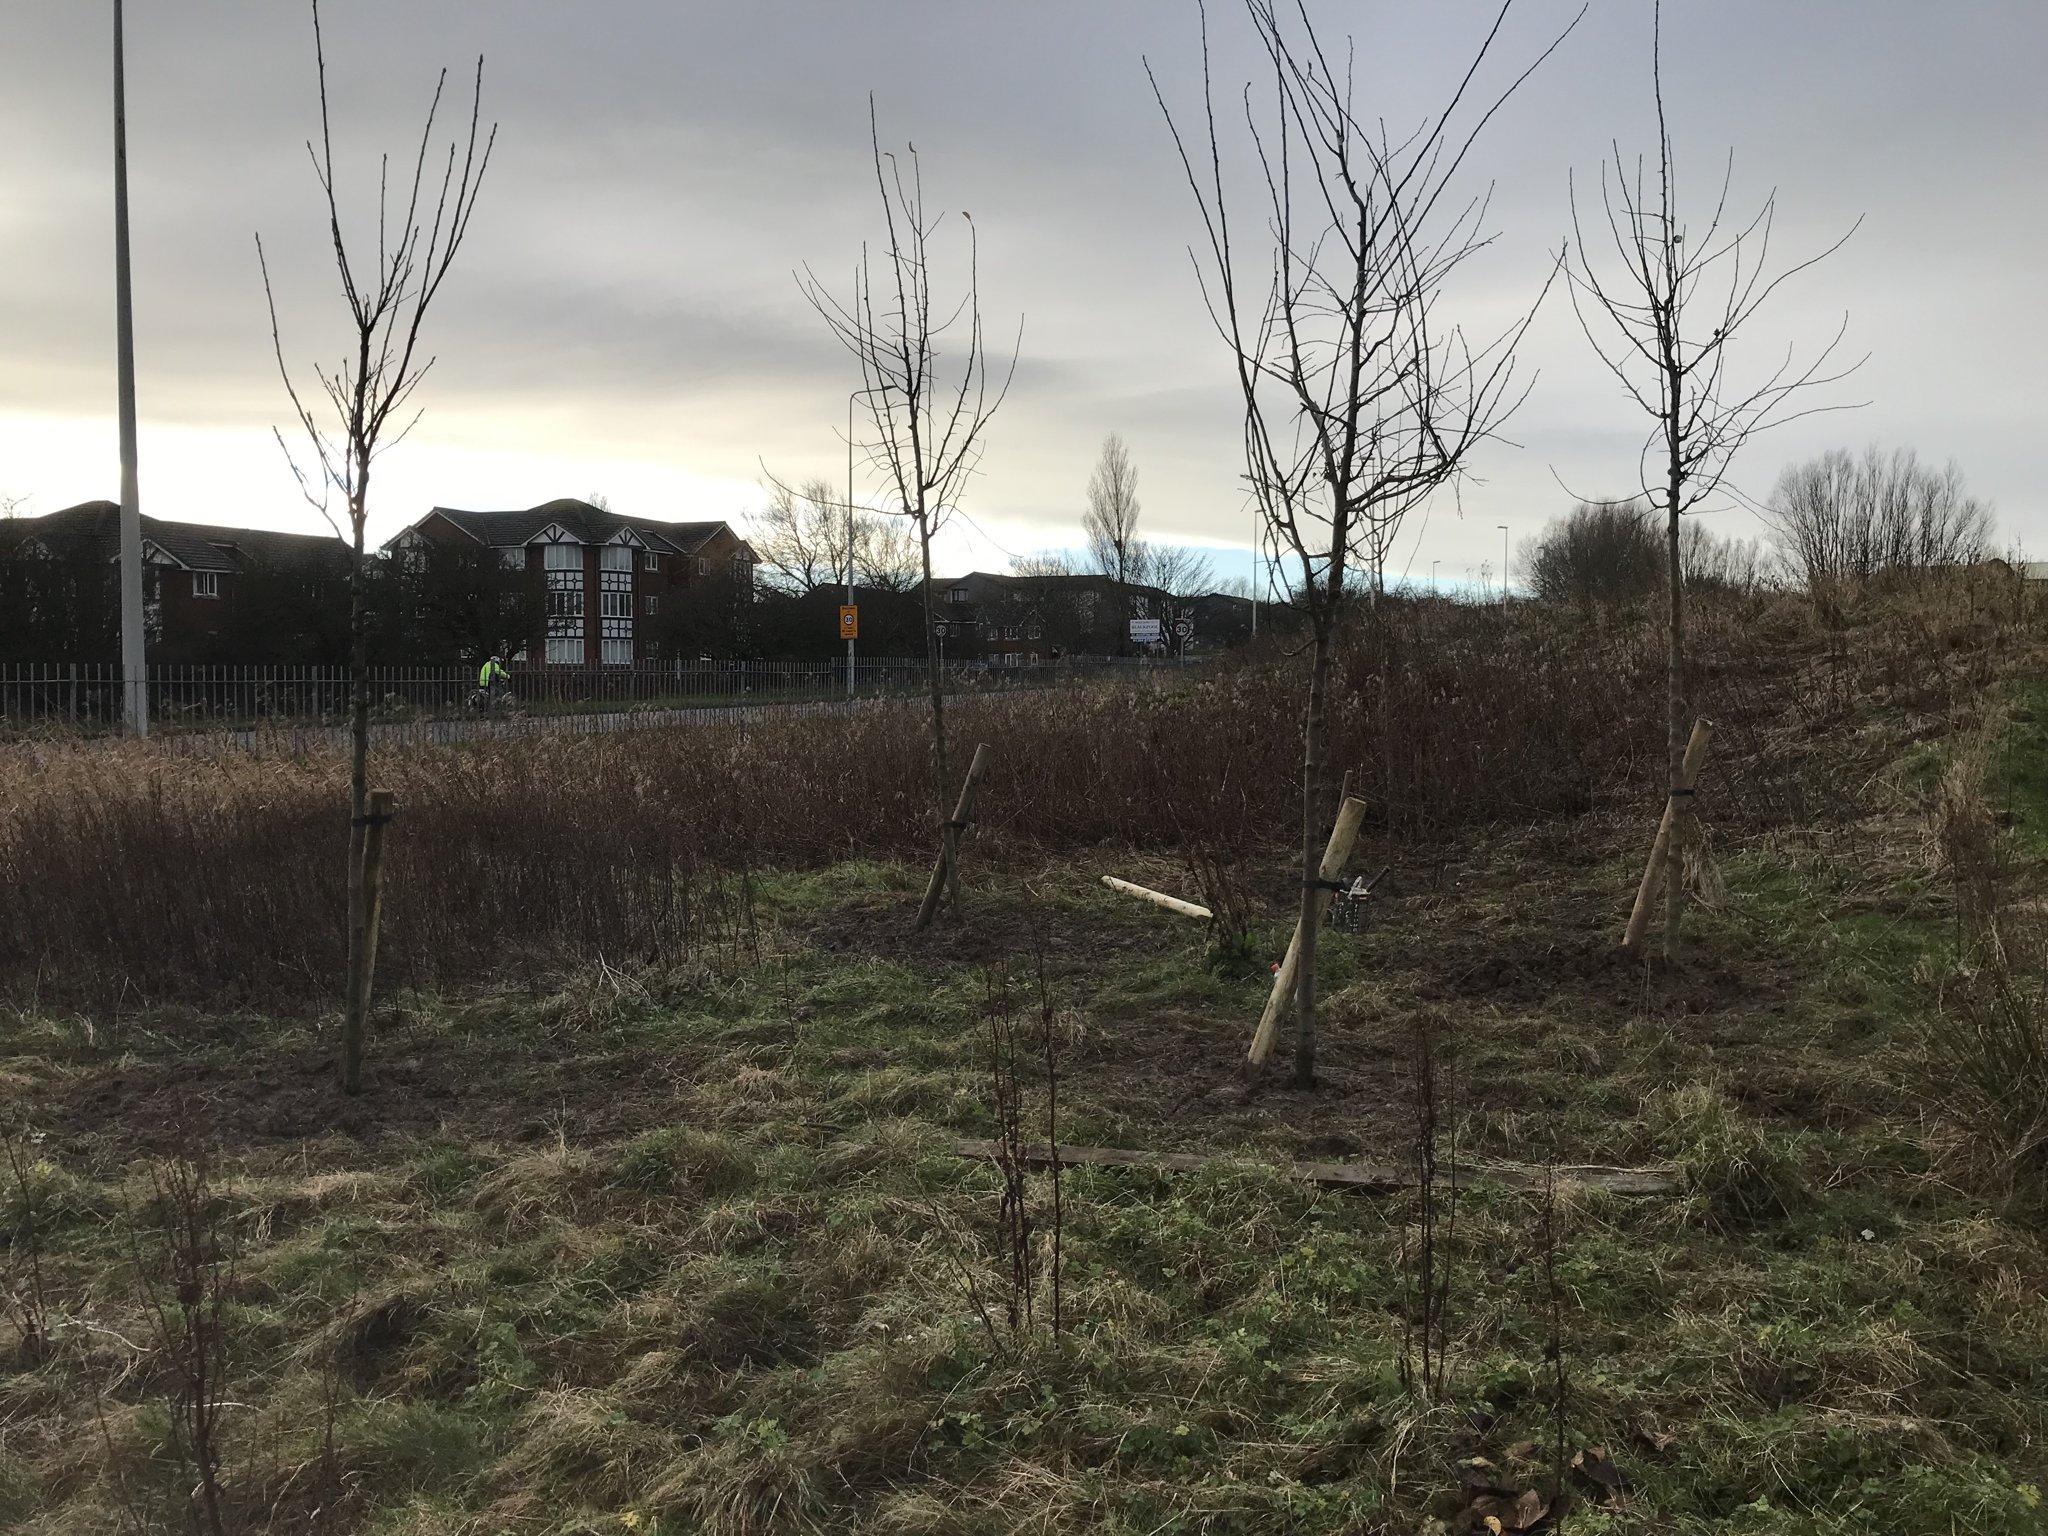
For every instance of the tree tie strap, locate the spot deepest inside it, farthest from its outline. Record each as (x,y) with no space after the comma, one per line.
(960,826)
(1682,794)
(371,820)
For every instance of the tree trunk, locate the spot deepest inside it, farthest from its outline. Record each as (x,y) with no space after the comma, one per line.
(934,675)
(356,1005)
(1675,713)
(1315,730)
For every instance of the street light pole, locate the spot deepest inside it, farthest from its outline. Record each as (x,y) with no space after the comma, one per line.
(1432,576)
(1258,538)
(1503,567)
(849,538)
(134,662)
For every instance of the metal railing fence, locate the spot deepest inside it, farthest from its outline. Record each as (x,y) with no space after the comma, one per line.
(86,697)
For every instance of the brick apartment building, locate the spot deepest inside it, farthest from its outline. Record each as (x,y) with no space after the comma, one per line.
(61,582)
(613,582)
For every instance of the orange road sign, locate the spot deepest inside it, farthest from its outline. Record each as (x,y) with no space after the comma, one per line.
(849,623)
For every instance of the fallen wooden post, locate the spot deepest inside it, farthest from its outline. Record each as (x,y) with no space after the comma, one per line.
(1660,850)
(1350,815)
(949,839)
(1157,898)
(1359,1176)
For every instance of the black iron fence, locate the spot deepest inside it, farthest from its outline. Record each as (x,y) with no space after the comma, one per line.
(88,697)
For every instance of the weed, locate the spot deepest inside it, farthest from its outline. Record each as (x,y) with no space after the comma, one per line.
(186,1271)
(24,1291)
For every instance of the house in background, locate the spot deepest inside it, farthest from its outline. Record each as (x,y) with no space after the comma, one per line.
(205,587)
(1023,620)
(615,585)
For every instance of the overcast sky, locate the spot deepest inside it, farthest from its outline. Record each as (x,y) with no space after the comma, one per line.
(625,318)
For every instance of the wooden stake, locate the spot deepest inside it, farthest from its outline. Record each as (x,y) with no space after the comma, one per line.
(1157,898)
(949,840)
(355,1016)
(1335,856)
(1660,850)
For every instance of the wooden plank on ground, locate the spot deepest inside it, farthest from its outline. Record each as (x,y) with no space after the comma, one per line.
(1360,1176)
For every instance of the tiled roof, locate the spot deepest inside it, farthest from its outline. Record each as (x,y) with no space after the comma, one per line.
(589,524)
(92,530)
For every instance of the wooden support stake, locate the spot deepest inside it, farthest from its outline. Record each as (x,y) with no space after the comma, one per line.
(1660,850)
(1157,898)
(355,1019)
(1359,1176)
(949,838)
(1335,856)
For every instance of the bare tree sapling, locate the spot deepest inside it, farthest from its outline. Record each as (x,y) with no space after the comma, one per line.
(929,394)
(1359,398)
(1664,317)
(369,393)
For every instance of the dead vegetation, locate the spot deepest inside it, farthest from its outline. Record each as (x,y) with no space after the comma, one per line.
(129,879)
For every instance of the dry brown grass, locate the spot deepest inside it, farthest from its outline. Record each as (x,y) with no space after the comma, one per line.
(127,876)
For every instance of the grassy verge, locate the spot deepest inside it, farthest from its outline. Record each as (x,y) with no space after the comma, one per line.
(690,1251)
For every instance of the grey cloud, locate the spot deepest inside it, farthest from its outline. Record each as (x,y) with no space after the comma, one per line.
(662,169)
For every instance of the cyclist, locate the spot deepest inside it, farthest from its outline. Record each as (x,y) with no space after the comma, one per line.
(493,682)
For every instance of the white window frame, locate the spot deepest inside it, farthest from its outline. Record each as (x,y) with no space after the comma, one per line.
(615,605)
(563,563)
(649,560)
(206,583)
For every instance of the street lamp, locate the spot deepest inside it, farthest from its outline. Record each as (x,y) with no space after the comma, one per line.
(1503,566)
(1432,576)
(849,536)
(134,663)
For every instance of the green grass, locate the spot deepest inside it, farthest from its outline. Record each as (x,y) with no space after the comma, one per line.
(697,1258)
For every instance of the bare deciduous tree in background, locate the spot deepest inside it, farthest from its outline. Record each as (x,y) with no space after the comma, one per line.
(1842,519)
(1046,562)
(927,390)
(1359,399)
(801,537)
(1111,525)
(369,392)
(1663,324)
(1613,552)
(1184,575)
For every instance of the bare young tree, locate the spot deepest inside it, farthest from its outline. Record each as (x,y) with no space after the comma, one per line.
(369,394)
(1664,321)
(928,391)
(1111,524)
(1359,399)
